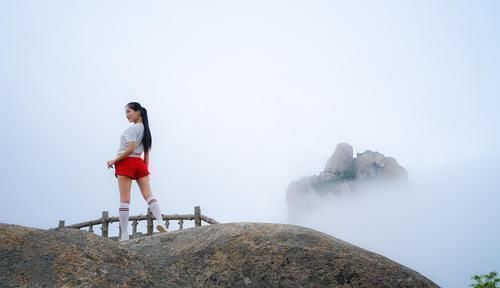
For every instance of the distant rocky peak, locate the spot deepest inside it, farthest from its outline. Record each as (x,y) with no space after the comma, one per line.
(343,173)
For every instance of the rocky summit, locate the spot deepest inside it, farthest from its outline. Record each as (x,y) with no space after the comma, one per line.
(344,174)
(220,255)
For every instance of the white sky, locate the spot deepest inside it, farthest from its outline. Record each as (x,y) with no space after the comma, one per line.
(244,97)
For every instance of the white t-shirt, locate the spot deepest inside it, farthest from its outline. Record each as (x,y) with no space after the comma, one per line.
(132,133)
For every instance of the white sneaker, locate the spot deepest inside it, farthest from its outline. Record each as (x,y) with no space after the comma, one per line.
(122,239)
(160,227)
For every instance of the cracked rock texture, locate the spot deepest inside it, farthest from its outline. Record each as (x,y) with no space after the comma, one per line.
(223,255)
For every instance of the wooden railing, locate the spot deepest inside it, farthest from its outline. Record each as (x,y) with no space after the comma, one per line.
(105,220)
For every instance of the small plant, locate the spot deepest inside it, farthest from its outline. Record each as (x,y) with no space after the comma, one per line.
(345,175)
(490,280)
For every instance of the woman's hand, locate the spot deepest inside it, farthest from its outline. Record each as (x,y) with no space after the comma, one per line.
(111,163)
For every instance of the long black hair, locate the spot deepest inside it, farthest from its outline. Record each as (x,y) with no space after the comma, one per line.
(147,141)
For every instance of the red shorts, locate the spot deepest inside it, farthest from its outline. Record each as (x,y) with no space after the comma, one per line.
(133,167)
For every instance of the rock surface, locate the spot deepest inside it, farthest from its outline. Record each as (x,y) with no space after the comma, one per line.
(223,255)
(340,163)
(68,258)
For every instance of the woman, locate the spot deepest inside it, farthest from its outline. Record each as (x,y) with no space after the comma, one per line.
(130,166)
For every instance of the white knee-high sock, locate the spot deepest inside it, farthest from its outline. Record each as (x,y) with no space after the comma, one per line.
(123,215)
(155,208)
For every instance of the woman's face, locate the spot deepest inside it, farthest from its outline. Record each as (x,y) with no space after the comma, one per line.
(132,115)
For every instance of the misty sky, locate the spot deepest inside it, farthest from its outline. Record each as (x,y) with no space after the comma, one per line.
(245,97)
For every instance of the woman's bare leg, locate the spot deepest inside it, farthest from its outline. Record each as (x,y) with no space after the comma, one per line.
(124,185)
(145,188)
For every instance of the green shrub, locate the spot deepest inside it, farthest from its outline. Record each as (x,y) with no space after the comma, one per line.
(490,280)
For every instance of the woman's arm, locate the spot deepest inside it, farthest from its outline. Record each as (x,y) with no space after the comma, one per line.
(146,158)
(130,149)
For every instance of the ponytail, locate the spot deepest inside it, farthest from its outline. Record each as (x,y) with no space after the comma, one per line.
(146,139)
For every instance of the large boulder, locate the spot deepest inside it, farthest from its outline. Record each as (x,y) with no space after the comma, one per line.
(221,255)
(340,164)
(371,165)
(32,257)
(344,174)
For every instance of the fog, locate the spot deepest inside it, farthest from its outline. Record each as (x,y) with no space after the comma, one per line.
(245,97)
(444,226)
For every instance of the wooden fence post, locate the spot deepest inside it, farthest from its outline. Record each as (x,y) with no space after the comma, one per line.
(150,222)
(181,224)
(197,216)
(105,224)
(134,227)
(167,223)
